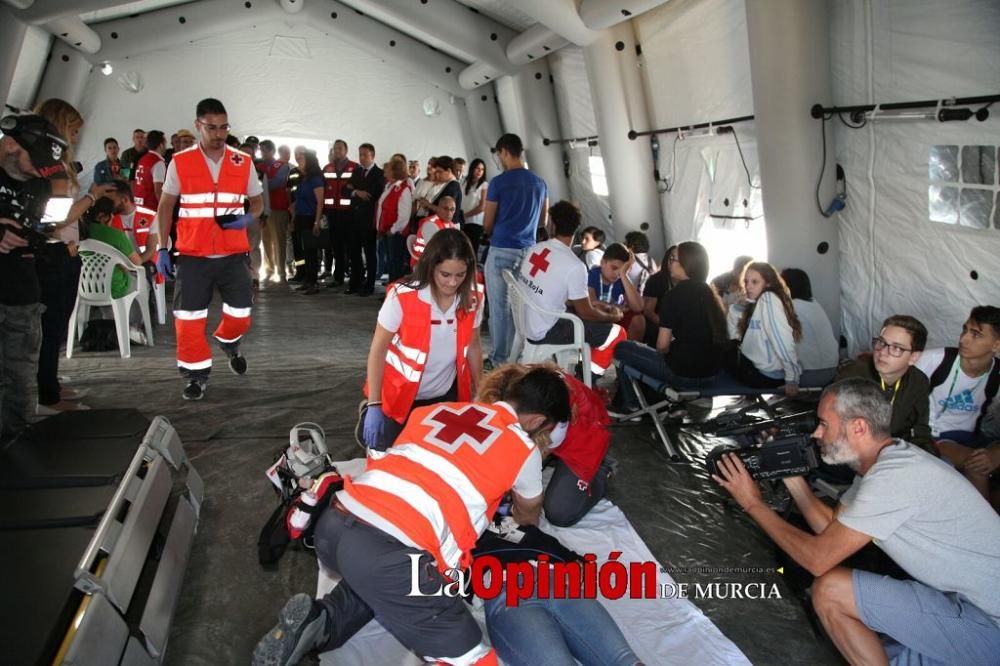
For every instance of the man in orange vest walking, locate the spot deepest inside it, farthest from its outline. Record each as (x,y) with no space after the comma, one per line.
(212,181)
(412,519)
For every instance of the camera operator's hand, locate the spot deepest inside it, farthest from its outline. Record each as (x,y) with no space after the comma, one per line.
(791,390)
(11,240)
(735,478)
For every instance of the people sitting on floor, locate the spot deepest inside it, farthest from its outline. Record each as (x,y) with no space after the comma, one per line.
(577,449)
(919,511)
(610,286)
(430,225)
(553,277)
(895,351)
(817,349)
(658,284)
(426,346)
(591,246)
(766,328)
(964,382)
(414,516)
(692,330)
(729,285)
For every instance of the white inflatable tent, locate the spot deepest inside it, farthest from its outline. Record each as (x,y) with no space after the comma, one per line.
(619,103)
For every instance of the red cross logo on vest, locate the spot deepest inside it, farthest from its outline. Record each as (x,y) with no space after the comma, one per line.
(469,424)
(539,262)
(236,158)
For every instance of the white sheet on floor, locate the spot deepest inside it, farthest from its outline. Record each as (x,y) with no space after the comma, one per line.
(659,630)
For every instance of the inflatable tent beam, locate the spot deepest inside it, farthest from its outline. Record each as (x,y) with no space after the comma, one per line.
(790,71)
(619,107)
(583,26)
(65,75)
(12,32)
(148,32)
(43,11)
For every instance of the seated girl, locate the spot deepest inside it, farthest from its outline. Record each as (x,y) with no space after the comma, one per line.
(692,329)
(817,349)
(766,330)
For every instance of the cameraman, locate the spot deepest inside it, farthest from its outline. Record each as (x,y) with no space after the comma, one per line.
(30,148)
(916,508)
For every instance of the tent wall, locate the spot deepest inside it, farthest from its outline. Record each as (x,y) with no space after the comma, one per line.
(12,33)
(576,118)
(276,80)
(894,259)
(30,67)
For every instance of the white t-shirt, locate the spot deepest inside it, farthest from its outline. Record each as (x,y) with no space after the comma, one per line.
(172,184)
(160,171)
(593,257)
(552,275)
(440,370)
(956,403)
(472,200)
(427,189)
(818,348)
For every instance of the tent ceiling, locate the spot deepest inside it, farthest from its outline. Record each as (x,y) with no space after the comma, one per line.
(502,12)
(392,20)
(128,9)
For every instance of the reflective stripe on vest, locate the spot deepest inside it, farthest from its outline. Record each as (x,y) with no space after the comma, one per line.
(437,488)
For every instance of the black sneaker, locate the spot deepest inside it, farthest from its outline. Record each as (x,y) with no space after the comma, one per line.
(237,363)
(301,628)
(195,390)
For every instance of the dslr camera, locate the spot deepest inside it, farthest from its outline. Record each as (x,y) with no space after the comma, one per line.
(34,208)
(770,449)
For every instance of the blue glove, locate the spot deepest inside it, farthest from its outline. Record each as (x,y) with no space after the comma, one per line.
(164,264)
(242,222)
(374,426)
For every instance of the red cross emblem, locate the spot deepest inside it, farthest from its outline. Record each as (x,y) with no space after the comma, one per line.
(469,424)
(237,158)
(539,262)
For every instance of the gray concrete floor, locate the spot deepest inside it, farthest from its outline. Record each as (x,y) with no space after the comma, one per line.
(306,363)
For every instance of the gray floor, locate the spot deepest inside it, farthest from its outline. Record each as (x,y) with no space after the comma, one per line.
(306,357)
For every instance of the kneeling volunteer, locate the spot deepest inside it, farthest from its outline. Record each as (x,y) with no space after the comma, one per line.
(426,346)
(920,511)
(414,516)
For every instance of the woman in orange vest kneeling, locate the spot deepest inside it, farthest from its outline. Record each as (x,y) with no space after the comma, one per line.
(426,347)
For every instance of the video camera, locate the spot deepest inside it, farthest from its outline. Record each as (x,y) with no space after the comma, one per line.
(34,208)
(770,449)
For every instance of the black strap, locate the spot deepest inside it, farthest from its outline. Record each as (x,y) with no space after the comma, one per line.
(941,372)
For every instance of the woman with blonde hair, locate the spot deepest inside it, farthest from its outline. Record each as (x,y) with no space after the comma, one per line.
(58,266)
(426,346)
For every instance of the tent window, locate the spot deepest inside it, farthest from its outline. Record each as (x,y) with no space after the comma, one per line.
(598,180)
(963,186)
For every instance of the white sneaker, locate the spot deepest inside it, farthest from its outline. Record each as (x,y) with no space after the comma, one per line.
(137,336)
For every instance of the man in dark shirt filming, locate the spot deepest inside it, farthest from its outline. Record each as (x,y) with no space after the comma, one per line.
(918,509)
(30,148)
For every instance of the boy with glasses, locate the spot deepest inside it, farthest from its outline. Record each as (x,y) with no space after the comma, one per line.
(895,352)
(963,381)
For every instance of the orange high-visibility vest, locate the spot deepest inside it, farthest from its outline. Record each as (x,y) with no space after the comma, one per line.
(334,183)
(198,234)
(389,212)
(143,192)
(406,356)
(439,485)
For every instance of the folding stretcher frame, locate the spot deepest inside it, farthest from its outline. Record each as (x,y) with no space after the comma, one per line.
(722,386)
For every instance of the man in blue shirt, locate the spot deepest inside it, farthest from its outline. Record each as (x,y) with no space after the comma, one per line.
(517,203)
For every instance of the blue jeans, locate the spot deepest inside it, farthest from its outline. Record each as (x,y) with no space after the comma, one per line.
(554,632)
(501,319)
(650,362)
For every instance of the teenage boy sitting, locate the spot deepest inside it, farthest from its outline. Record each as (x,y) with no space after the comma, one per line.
(895,350)
(964,380)
(610,286)
(555,278)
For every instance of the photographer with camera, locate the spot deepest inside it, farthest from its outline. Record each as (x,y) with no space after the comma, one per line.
(916,508)
(30,149)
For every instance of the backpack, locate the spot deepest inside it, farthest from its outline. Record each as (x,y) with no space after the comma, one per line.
(940,374)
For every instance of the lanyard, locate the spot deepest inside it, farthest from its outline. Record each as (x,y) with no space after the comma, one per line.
(895,389)
(954,379)
(601,295)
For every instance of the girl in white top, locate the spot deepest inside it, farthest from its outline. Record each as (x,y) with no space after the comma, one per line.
(767,330)
(445,278)
(817,349)
(474,203)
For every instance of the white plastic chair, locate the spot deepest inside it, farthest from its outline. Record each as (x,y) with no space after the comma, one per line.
(99,261)
(524,351)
